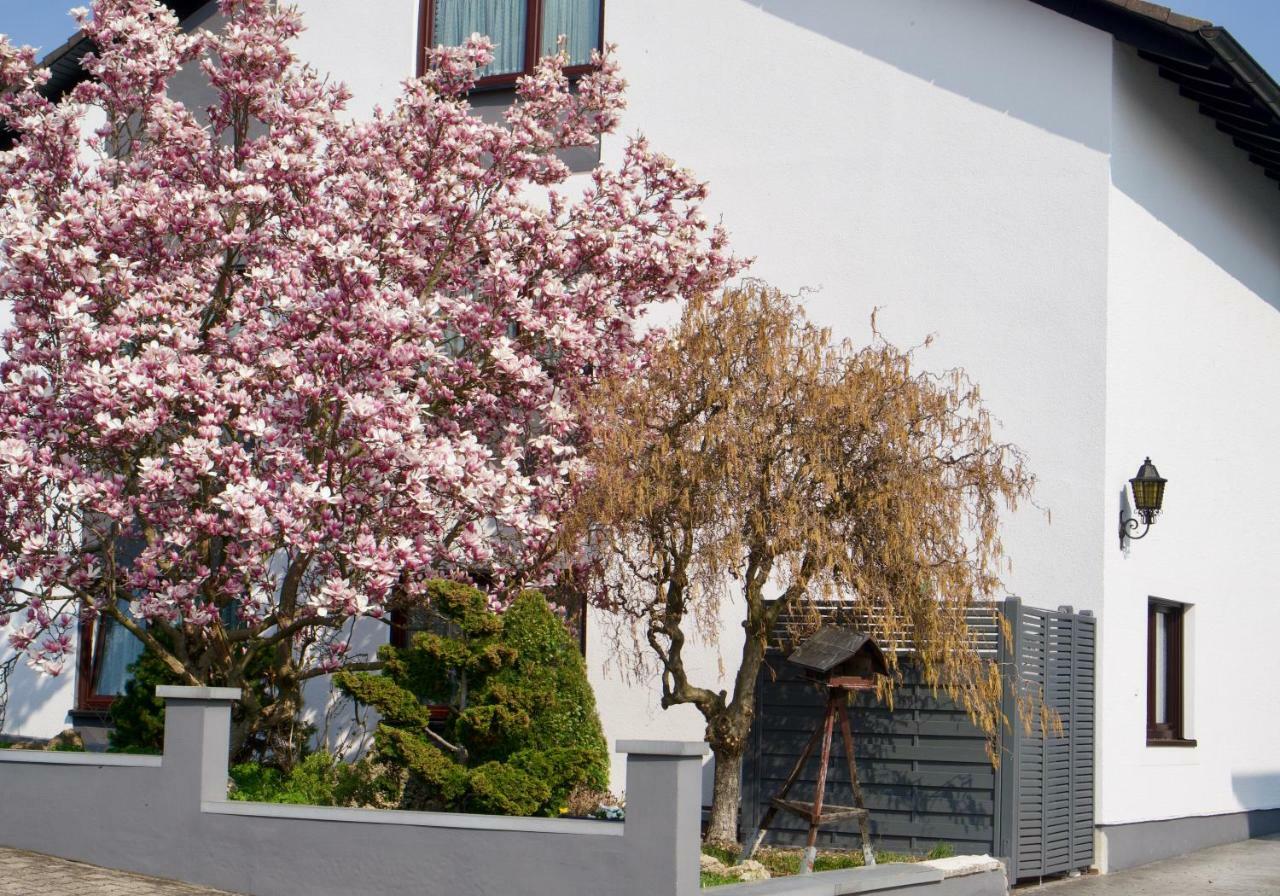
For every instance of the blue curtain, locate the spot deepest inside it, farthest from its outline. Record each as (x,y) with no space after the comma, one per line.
(119,649)
(578,21)
(503,21)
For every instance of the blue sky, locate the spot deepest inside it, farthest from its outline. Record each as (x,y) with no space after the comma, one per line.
(40,23)
(1255,23)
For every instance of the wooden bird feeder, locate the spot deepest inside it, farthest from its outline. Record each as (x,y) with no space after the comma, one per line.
(841,661)
(840,658)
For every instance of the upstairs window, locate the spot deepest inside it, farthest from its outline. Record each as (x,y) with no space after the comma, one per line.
(522,31)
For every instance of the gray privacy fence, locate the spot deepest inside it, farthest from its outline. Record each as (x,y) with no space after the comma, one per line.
(924,769)
(1046,782)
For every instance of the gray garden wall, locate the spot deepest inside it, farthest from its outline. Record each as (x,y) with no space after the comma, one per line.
(169,816)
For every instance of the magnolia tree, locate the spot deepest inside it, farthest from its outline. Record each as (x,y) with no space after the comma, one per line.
(295,365)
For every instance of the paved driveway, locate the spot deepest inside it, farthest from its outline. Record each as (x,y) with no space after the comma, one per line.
(31,874)
(1248,868)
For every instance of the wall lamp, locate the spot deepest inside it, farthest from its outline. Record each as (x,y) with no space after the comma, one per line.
(1148,495)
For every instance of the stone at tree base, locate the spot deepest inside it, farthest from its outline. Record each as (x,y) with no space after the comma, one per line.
(959,866)
(712,865)
(749,870)
(744,871)
(68,739)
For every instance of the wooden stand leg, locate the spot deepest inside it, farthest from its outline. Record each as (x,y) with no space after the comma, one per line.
(811,846)
(864,825)
(754,843)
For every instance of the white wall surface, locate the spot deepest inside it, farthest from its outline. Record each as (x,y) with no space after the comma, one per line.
(945,161)
(370,46)
(38,704)
(1193,372)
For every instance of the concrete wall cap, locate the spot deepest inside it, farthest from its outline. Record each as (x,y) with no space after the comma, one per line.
(98,760)
(183,692)
(896,876)
(494,823)
(782,886)
(663,747)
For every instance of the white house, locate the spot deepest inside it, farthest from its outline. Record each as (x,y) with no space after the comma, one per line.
(1079,198)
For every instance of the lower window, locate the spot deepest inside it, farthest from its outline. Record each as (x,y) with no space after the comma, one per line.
(107,650)
(1166,647)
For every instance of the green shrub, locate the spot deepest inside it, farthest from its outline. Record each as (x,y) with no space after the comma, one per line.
(318,780)
(523,732)
(137,715)
(941,851)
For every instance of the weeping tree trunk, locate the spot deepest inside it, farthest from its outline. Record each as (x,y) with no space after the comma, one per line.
(726,795)
(728,720)
(728,730)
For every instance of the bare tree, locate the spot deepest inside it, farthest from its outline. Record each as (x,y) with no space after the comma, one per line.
(758,455)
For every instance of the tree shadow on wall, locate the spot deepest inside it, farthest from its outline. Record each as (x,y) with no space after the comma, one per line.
(32,695)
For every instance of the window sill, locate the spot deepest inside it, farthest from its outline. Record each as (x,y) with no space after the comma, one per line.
(90,715)
(1170,742)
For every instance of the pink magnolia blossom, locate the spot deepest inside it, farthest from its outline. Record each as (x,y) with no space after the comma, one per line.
(304,364)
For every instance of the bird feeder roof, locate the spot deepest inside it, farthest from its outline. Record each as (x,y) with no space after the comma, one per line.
(833,645)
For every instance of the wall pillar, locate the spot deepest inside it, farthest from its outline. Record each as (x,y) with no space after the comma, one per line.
(664,816)
(197,739)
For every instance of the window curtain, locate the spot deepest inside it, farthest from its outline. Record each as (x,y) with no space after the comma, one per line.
(578,21)
(502,21)
(119,650)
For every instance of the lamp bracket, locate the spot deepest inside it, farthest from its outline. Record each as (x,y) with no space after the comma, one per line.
(1129,525)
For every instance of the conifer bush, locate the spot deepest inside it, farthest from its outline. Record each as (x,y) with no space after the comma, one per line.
(522,732)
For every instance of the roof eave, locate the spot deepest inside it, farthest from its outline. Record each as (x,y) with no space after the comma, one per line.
(1204,60)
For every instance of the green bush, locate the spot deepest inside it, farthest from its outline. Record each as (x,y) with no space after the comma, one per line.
(523,732)
(137,715)
(318,780)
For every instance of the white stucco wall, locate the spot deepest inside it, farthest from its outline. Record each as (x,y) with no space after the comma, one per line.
(37,703)
(1192,377)
(946,162)
(369,46)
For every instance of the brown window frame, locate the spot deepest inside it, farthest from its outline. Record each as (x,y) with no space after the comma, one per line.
(532,34)
(92,647)
(1169,733)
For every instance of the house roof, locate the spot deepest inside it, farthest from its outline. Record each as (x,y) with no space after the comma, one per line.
(1209,66)
(65,70)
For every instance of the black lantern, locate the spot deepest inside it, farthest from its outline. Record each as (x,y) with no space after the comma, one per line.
(1148,496)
